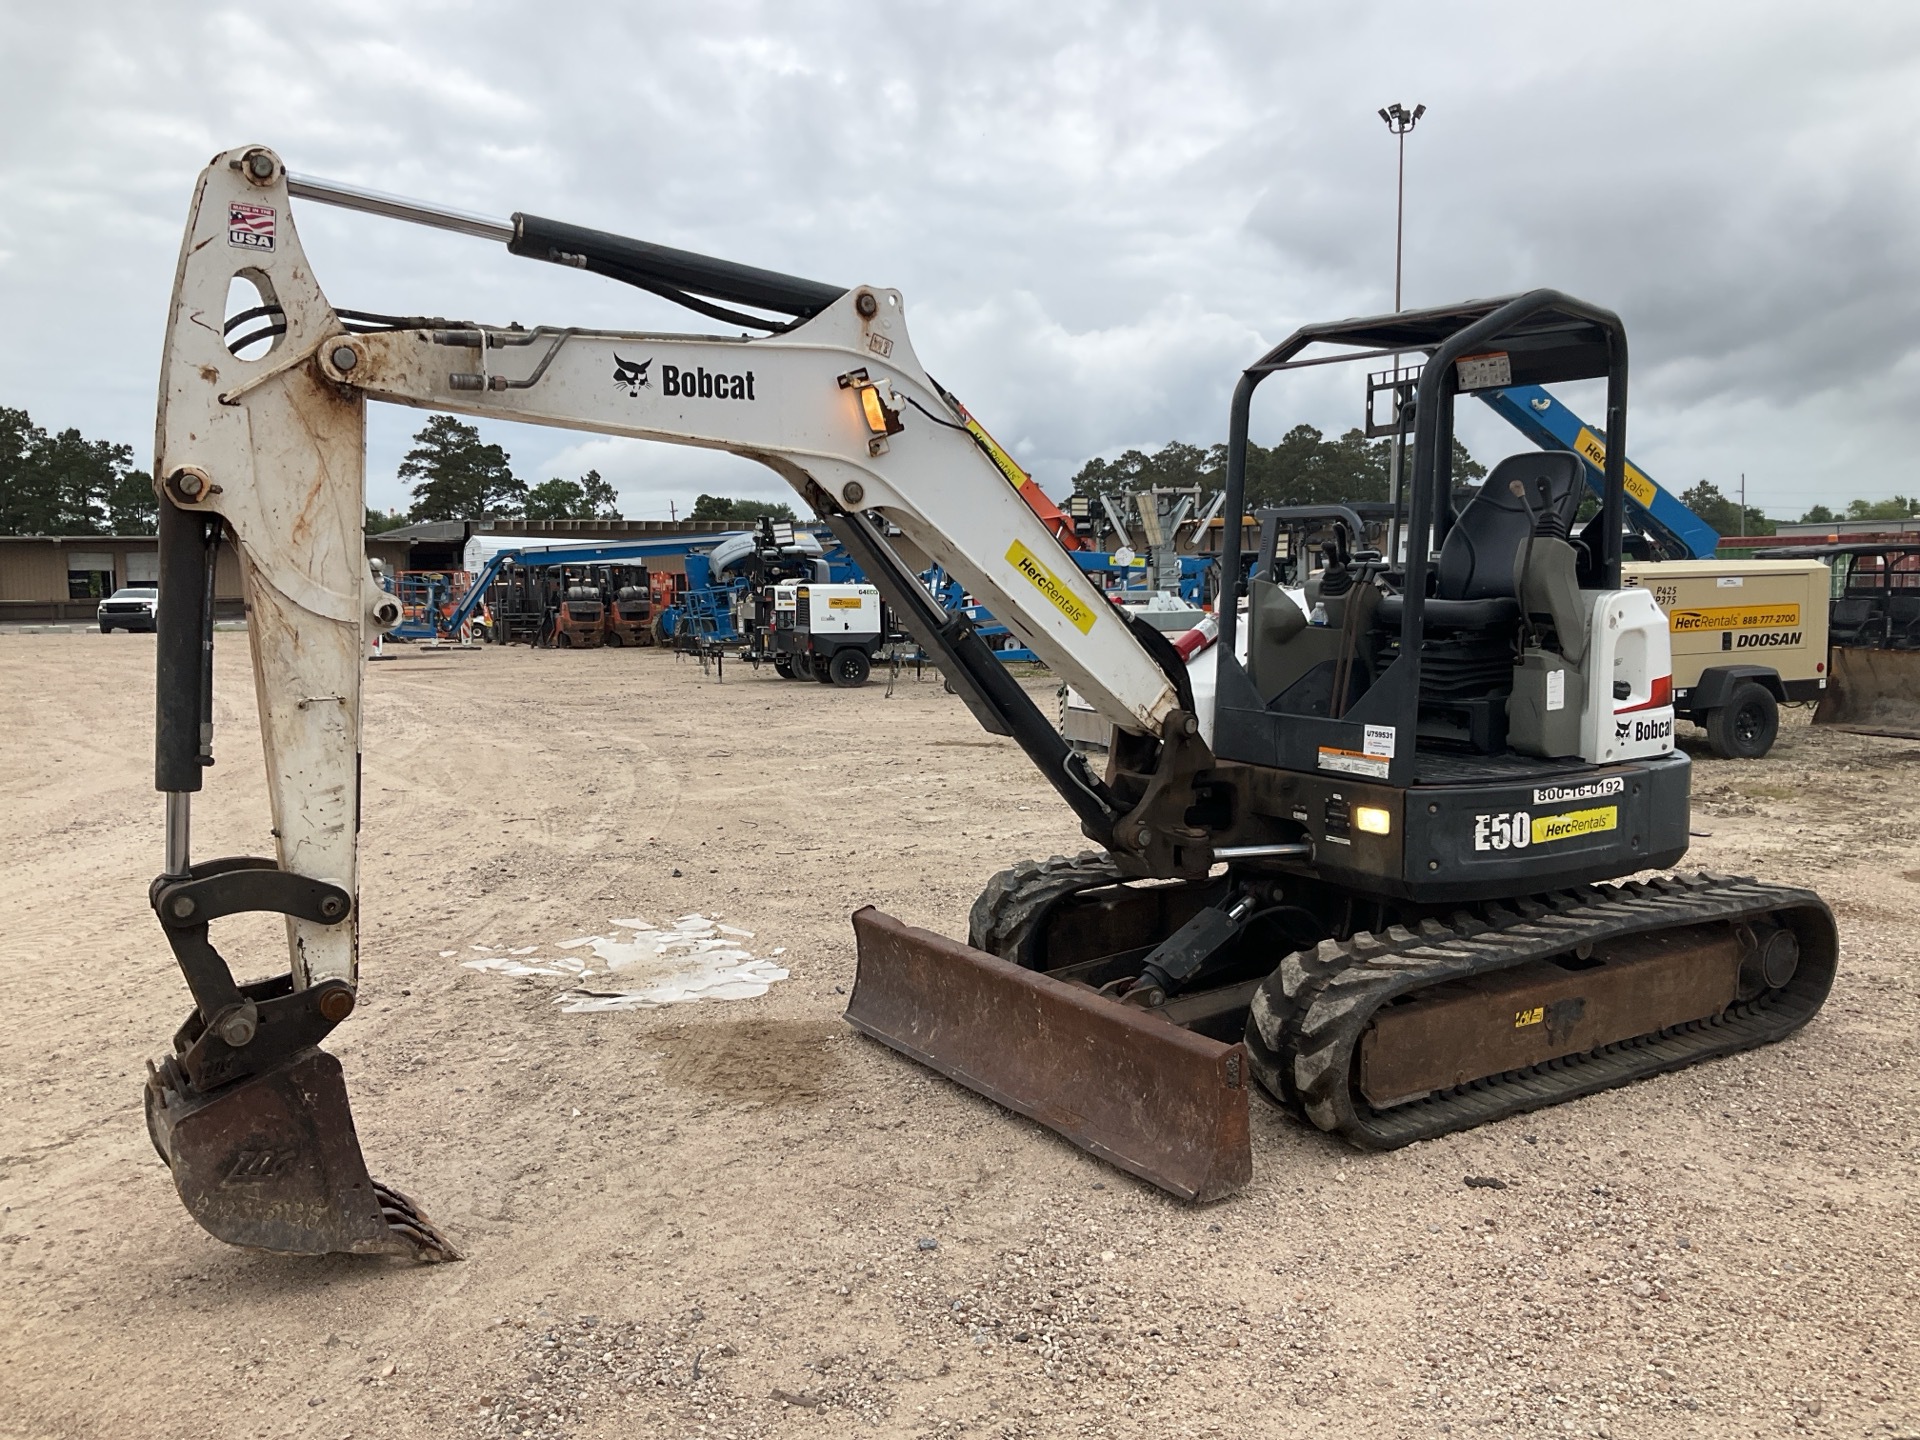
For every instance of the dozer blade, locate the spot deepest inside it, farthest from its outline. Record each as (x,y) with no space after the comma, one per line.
(1160,1102)
(273,1162)
(1872,692)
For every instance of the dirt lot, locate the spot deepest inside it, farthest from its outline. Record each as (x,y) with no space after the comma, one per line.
(739,1219)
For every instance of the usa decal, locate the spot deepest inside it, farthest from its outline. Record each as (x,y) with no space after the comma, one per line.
(250,226)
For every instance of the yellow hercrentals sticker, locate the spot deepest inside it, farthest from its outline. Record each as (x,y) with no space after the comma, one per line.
(1524,1018)
(844,602)
(1051,586)
(1736,617)
(1638,486)
(1547,828)
(1016,477)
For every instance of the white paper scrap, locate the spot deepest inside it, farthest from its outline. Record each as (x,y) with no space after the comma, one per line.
(696,958)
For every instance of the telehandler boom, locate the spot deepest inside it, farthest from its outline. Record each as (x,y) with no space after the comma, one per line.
(1366,874)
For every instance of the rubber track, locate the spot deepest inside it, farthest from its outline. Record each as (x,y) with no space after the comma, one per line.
(1309,1016)
(1002,919)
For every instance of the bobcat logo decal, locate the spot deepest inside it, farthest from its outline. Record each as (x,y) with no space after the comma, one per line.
(630,376)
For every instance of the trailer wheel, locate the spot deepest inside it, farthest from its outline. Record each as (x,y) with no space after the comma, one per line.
(849,668)
(1745,727)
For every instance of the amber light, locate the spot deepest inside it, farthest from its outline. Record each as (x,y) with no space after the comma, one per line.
(1372,819)
(873,409)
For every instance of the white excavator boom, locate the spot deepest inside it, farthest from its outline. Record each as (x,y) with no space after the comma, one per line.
(261,442)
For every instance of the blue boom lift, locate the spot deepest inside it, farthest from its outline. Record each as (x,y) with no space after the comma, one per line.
(1548,422)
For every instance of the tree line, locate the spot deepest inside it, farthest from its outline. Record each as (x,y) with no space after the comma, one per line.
(1724,514)
(458,477)
(1303,468)
(65,484)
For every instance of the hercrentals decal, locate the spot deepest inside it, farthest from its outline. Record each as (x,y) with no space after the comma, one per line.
(1594,450)
(1736,617)
(1519,830)
(1077,611)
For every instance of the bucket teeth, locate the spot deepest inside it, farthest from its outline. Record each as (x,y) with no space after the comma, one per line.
(410,1223)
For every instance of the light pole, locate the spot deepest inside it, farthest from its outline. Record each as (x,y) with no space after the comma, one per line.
(1400,121)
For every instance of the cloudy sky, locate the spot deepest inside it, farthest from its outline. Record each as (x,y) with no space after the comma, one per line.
(1097,212)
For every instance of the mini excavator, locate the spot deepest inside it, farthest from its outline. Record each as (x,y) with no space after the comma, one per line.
(1382,875)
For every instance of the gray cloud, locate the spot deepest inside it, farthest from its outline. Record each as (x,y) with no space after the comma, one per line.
(1097,213)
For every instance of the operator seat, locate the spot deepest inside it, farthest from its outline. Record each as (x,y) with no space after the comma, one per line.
(1506,553)
(1477,579)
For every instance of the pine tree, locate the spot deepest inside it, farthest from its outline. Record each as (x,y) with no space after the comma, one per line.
(457,477)
(555,499)
(601,500)
(66,484)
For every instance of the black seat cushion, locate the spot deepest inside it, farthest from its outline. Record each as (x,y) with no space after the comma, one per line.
(1480,560)
(1481,555)
(1455,614)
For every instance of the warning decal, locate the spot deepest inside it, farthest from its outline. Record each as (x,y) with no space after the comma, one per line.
(1050,585)
(1353,762)
(250,226)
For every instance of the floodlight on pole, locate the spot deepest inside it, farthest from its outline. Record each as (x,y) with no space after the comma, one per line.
(1399,121)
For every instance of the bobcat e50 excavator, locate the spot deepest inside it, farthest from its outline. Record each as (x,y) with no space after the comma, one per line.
(1368,875)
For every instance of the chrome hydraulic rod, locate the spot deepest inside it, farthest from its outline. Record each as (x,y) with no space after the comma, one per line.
(397,207)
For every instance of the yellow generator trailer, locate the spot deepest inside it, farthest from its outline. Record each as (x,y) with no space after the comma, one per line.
(1748,637)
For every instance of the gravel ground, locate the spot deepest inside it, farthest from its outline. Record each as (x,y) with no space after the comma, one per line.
(740,1219)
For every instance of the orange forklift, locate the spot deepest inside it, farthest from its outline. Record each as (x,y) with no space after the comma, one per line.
(629,605)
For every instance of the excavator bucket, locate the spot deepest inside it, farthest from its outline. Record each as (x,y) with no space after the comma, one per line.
(1872,692)
(273,1162)
(1158,1101)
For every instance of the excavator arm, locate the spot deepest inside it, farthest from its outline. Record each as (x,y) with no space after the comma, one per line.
(265,450)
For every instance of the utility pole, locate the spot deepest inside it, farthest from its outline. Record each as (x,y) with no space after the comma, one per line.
(672,513)
(1400,121)
(1743,502)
